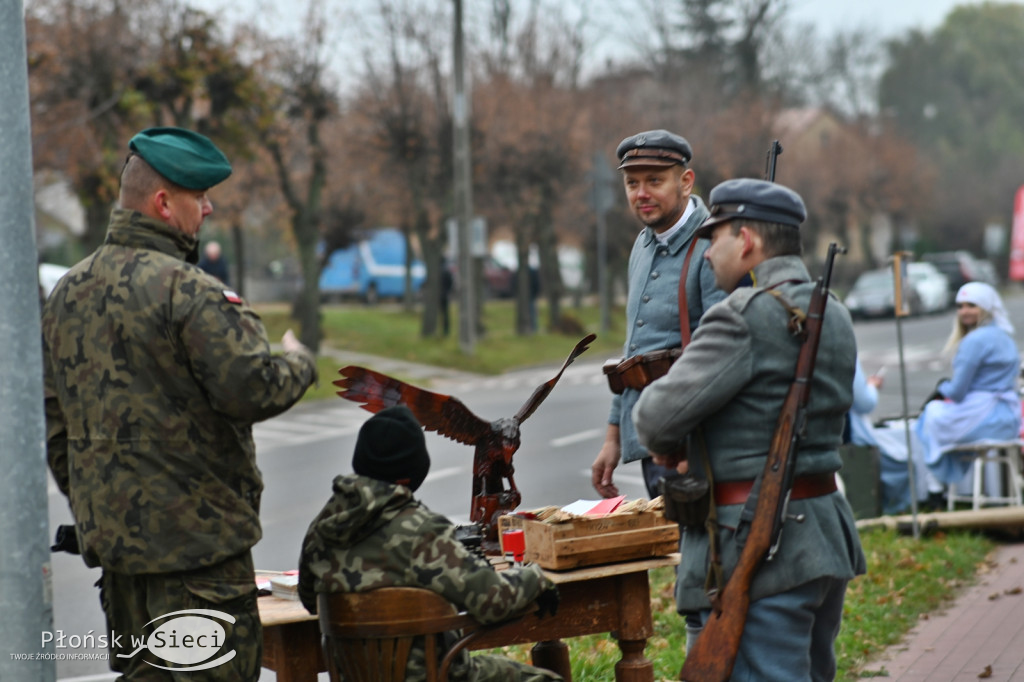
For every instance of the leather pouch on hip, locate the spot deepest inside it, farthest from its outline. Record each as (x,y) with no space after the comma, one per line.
(687,499)
(610,370)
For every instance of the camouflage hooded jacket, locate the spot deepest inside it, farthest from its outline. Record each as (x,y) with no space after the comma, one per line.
(373,534)
(154,375)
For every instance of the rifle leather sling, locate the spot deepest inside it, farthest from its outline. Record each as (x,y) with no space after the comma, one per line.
(640,370)
(804,487)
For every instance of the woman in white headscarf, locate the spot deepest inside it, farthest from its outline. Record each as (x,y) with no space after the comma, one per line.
(981,401)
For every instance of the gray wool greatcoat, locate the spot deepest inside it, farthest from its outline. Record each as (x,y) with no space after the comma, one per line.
(731,381)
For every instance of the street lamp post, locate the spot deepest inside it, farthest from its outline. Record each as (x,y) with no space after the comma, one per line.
(463,193)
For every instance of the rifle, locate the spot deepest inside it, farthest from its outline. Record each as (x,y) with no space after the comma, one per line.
(769,165)
(714,654)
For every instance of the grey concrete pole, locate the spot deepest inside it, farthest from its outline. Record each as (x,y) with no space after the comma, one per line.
(463,192)
(26,603)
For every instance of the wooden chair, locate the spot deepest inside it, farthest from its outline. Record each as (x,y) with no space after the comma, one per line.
(374,631)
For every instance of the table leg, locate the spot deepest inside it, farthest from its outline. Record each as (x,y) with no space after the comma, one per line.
(295,657)
(633,666)
(634,627)
(553,655)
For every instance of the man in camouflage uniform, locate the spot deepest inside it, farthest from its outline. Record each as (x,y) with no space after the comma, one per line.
(154,375)
(373,533)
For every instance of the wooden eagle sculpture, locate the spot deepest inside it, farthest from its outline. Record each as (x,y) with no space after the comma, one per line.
(495,442)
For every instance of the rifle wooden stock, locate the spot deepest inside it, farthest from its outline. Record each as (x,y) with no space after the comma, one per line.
(714,654)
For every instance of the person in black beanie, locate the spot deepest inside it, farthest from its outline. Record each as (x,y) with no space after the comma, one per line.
(391,447)
(373,533)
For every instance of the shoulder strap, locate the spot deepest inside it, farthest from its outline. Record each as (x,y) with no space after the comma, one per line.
(684,309)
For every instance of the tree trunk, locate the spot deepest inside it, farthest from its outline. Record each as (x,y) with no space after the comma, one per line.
(238,242)
(433,261)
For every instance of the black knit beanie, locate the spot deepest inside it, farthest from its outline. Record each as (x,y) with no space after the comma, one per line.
(391,447)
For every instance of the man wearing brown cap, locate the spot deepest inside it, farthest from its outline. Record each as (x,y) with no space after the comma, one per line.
(374,533)
(729,385)
(154,373)
(670,287)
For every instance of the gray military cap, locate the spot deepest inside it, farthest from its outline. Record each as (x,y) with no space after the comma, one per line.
(753,199)
(654,148)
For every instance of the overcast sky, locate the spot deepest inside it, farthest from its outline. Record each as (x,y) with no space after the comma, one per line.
(889,16)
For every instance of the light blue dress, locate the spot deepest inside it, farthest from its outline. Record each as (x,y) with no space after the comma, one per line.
(981,403)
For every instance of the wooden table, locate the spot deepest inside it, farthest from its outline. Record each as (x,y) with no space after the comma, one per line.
(614,598)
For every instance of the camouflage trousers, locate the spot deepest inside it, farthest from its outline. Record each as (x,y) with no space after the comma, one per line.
(476,668)
(177,627)
(488,668)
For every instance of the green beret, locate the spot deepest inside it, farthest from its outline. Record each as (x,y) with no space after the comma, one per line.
(185,158)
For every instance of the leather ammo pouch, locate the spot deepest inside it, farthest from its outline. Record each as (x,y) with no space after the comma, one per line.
(687,499)
(640,370)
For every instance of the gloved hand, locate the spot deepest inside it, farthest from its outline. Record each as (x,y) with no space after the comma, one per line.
(547,602)
(66,540)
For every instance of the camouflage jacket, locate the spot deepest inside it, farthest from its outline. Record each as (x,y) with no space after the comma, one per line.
(154,375)
(373,534)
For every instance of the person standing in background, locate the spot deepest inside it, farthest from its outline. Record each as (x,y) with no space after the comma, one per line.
(659,187)
(213,262)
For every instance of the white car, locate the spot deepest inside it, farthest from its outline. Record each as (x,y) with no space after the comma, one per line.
(932,287)
(48,276)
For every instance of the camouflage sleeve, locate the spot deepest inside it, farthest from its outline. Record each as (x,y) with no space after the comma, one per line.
(469,581)
(56,429)
(311,551)
(230,355)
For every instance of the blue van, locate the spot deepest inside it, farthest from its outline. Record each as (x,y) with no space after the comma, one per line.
(371,269)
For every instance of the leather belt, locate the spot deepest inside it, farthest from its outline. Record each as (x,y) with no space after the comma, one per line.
(810,485)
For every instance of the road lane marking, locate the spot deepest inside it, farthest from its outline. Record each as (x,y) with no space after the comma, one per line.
(577,437)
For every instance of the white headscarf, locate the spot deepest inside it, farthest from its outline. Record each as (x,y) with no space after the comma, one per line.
(987,298)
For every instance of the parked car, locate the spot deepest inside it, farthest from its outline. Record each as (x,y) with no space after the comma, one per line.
(372,269)
(499,279)
(872,295)
(959,267)
(932,287)
(987,272)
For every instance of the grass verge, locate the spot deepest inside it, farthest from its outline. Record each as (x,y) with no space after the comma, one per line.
(389,331)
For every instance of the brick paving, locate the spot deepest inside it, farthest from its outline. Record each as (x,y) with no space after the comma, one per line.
(979,636)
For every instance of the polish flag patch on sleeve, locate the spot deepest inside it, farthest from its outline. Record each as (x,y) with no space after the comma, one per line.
(232,297)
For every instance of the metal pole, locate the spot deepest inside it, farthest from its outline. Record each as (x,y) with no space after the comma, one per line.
(463,194)
(602,271)
(602,200)
(900,310)
(26,602)
(906,428)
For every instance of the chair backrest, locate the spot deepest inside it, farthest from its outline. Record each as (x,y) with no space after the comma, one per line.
(367,635)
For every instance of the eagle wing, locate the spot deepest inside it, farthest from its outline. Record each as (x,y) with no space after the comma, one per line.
(542,391)
(436,412)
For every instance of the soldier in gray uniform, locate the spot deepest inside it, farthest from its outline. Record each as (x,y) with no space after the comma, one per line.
(659,188)
(373,533)
(154,375)
(729,386)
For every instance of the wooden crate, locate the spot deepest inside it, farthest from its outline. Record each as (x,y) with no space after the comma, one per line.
(587,541)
